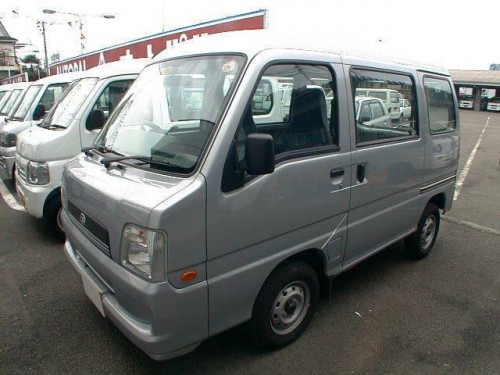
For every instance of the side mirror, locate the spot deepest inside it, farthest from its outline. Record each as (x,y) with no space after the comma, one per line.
(365,119)
(39,112)
(259,154)
(95,120)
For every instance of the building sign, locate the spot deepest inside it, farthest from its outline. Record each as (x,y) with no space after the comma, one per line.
(23,77)
(154,44)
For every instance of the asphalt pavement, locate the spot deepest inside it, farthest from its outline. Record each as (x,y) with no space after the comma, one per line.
(388,315)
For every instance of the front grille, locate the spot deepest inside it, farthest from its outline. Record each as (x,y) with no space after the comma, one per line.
(21,172)
(91,228)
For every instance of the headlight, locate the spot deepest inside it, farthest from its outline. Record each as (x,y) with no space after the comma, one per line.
(37,173)
(8,140)
(143,251)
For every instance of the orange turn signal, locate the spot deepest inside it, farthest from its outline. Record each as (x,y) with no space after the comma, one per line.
(189,276)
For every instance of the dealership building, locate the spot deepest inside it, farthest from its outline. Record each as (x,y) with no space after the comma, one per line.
(481,84)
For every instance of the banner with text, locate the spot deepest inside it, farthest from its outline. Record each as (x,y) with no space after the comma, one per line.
(152,45)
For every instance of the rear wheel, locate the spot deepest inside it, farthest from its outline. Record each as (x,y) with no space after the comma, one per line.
(419,244)
(285,305)
(52,217)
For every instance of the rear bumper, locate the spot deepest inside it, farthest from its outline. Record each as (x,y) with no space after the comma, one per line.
(161,320)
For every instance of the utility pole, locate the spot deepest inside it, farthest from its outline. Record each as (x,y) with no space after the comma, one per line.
(45,49)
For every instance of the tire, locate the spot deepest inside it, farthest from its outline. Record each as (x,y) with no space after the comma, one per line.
(285,305)
(52,217)
(419,244)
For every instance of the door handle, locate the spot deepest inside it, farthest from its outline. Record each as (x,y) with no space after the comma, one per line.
(360,172)
(337,172)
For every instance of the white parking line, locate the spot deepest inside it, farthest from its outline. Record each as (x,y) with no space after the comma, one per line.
(9,198)
(471,225)
(465,171)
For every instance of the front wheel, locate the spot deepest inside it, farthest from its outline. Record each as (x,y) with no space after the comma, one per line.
(285,305)
(52,217)
(419,244)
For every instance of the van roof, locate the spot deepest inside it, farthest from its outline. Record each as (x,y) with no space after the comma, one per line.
(58,78)
(254,41)
(7,87)
(132,66)
(16,86)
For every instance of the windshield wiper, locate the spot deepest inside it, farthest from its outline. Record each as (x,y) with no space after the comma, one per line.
(145,160)
(103,149)
(16,119)
(106,150)
(48,126)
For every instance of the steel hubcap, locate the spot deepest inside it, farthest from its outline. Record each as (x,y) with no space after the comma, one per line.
(428,232)
(290,307)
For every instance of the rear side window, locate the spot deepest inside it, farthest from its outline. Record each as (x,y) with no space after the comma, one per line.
(440,105)
(295,103)
(386,119)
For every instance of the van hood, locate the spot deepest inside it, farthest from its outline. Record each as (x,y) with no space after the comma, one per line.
(109,199)
(41,144)
(15,127)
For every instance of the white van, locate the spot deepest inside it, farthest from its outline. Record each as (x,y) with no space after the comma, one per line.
(389,97)
(10,101)
(493,104)
(37,100)
(185,221)
(466,101)
(72,125)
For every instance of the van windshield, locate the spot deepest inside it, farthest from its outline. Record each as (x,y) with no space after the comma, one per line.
(4,99)
(71,102)
(170,112)
(11,101)
(25,105)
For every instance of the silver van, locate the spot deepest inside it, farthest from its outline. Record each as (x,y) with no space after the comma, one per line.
(190,217)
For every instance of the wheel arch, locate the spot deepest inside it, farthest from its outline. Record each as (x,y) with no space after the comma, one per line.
(53,194)
(314,257)
(439,200)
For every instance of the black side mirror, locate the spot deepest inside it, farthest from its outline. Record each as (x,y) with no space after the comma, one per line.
(39,112)
(259,154)
(365,119)
(95,120)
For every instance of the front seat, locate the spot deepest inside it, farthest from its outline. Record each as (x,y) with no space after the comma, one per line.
(308,121)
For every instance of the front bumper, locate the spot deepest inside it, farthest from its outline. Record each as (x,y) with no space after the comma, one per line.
(7,161)
(32,197)
(161,320)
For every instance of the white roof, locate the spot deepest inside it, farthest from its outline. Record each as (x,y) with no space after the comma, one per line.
(255,41)
(12,86)
(7,87)
(58,78)
(20,85)
(132,66)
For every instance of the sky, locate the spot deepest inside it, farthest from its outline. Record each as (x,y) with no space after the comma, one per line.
(451,33)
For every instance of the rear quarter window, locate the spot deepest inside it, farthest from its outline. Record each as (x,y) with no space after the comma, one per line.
(440,105)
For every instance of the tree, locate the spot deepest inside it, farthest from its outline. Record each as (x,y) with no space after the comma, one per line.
(31,65)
